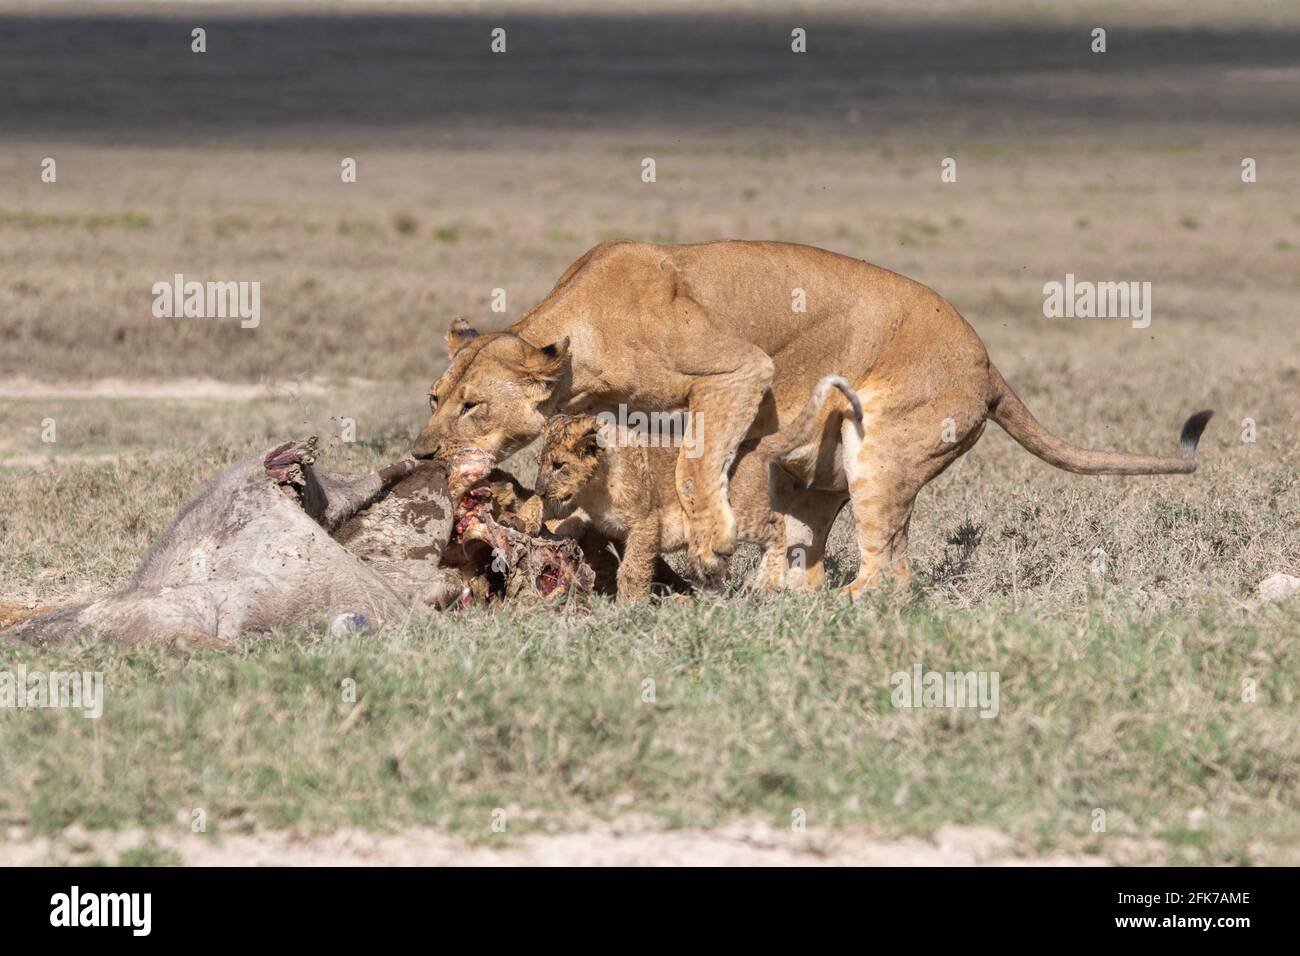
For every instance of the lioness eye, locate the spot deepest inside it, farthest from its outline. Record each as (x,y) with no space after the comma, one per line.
(469,407)
(433,402)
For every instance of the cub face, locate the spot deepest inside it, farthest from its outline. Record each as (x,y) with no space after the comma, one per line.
(571,457)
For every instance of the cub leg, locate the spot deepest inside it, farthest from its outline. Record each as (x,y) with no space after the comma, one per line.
(768,531)
(637,569)
(596,552)
(756,522)
(771,572)
(808,516)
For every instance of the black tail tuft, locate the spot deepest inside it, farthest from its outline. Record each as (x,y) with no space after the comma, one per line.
(1191,434)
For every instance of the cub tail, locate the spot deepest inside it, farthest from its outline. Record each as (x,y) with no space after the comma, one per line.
(798,443)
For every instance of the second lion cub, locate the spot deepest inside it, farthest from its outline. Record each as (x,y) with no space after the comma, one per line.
(613,477)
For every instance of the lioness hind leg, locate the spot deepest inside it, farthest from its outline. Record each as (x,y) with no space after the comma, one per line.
(882,495)
(886,470)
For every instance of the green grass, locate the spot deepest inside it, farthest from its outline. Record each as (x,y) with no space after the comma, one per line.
(91,222)
(1120,691)
(759,708)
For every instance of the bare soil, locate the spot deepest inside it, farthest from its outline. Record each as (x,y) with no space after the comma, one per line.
(626,844)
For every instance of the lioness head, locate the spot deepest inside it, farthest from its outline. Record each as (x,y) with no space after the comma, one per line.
(494,395)
(571,456)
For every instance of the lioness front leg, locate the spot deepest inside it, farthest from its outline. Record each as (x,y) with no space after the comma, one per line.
(722,408)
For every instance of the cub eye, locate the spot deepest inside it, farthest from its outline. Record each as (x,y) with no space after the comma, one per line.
(469,407)
(557,466)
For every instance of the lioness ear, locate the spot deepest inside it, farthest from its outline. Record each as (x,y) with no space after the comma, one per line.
(553,357)
(543,368)
(459,333)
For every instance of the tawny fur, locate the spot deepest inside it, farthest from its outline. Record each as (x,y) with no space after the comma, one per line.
(709,328)
(622,481)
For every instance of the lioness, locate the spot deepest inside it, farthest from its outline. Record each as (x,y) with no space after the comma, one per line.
(711,328)
(617,479)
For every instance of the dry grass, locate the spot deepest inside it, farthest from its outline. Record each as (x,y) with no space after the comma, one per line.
(1123,689)
(1222,335)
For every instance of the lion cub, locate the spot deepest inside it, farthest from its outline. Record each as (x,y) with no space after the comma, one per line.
(614,478)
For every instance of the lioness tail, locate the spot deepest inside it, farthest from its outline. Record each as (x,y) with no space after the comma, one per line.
(1010,412)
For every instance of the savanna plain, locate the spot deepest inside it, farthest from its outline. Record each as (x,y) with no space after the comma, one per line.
(1144,682)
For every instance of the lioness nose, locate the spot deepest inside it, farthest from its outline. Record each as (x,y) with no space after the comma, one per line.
(425,448)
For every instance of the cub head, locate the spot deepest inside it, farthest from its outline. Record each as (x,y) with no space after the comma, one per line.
(572,456)
(494,395)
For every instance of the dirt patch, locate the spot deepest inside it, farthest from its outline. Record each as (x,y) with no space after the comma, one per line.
(42,461)
(200,389)
(607,845)
(12,613)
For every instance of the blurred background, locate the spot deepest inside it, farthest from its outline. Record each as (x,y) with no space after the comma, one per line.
(479,170)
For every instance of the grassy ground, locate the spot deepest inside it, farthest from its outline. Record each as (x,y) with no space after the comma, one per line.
(759,709)
(1121,688)
(1121,691)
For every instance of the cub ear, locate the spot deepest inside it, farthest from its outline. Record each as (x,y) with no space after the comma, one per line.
(553,428)
(459,333)
(592,438)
